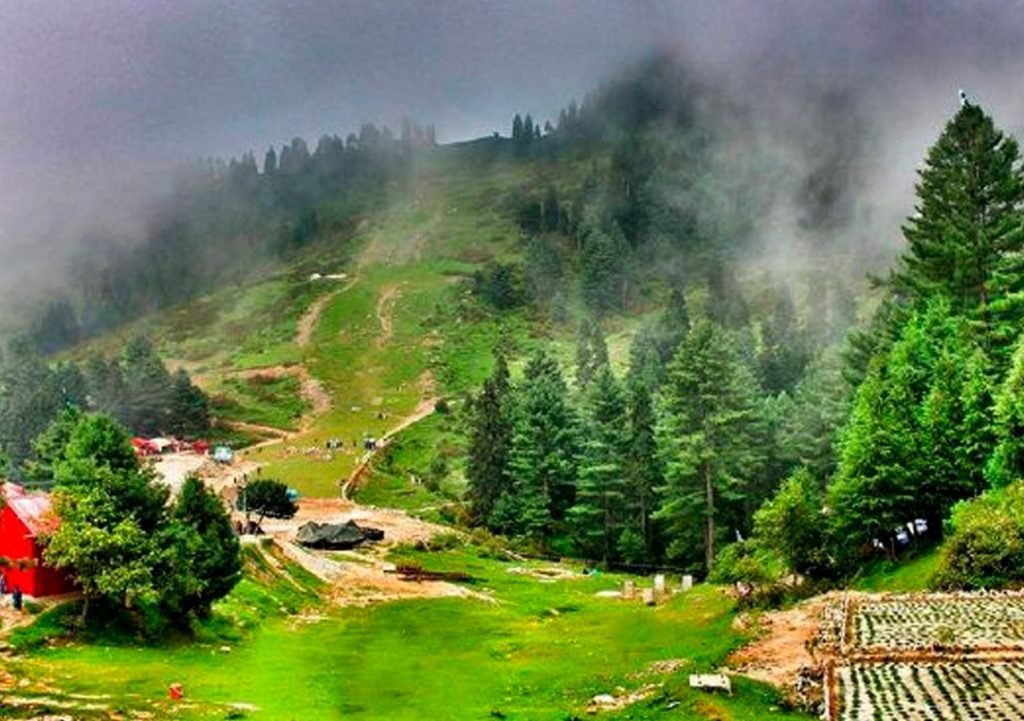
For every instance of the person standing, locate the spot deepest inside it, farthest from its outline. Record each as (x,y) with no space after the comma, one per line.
(16,598)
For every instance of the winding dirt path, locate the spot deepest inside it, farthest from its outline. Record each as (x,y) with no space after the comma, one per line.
(421,411)
(389,295)
(311,318)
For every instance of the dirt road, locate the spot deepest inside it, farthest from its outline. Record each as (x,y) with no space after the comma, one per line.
(424,409)
(311,318)
(174,468)
(389,295)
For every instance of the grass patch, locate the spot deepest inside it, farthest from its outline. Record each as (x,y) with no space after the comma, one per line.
(541,652)
(262,399)
(50,625)
(422,467)
(911,573)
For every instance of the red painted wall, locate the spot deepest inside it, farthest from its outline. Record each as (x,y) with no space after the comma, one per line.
(16,543)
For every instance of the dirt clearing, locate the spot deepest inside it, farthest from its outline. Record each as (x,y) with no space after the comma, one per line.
(361,576)
(785,644)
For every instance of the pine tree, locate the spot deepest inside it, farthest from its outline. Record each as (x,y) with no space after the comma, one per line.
(30,399)
(543,269)
(527,129)
(969,218)
(977,437)
(673,325)
(885,476)
(105,383)
(602,264)
(810,431)
(488,471)
(707,436)
(643,476)
(956,431)
(645,364)
(542,456)
(785,350)
(597,516)
(591,353)
(727,306)
(552,211)
(1007,462)
(517,130)
(208,551)
(874,486)
(189,408)
(148,388)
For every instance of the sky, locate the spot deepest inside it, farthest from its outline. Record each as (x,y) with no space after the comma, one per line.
(99,97)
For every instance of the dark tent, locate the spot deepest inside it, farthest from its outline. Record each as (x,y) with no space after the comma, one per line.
(330,535)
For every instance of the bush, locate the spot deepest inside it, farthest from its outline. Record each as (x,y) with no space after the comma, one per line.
(488,545)
(746,562)
(985,548)
(790,522)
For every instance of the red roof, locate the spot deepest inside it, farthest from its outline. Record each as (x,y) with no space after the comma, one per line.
(35,509)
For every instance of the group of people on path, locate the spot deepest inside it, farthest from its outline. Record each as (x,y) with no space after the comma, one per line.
(16,594)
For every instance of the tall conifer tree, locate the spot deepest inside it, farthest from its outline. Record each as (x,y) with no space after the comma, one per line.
(708,438)
(487,471)
(969,225)
(598,514)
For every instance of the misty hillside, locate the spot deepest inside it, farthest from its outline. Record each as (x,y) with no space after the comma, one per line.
(463,361)
(653,243)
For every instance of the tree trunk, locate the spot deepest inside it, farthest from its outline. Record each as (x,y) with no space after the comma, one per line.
(85,610)
(645,523)
(709,518)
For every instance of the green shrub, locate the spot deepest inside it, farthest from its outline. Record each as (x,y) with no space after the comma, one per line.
(985,548)
(746,562)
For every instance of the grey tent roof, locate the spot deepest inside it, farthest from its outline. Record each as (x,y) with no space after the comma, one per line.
(330,535)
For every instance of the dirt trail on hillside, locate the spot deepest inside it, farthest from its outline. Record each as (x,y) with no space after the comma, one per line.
(389,295)
(311,318)
(11,619)
(421,411)
(382,250)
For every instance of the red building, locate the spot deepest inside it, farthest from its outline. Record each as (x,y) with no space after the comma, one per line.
(23,517)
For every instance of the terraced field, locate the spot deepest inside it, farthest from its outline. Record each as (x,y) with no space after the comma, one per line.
(930,657)
(933,691)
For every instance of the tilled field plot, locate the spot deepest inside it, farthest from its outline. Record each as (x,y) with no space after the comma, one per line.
(932,691)
(951,620)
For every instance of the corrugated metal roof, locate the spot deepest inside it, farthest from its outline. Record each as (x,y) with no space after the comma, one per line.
(35,509)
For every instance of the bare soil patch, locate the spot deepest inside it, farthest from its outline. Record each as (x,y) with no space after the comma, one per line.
(389,296)
(367,578)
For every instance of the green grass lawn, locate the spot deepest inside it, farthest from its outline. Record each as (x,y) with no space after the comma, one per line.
(539,651)
(264,400)
(909,574)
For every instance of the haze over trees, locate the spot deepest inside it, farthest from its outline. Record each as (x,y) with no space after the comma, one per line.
(224,220)
(738,416)
(136,389)
(751,401)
